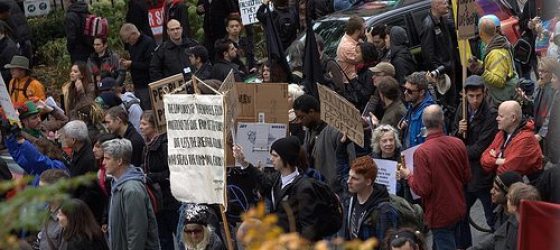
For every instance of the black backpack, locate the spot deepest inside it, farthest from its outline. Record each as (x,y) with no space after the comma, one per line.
(328,208)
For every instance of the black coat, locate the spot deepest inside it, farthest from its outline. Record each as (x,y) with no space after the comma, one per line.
(221,69)
(298,196)
(205,72)
(18,22)
(137,144)
(137,14)
(141,56)
(170,59)
(78,47)
(79,242)
(83,161)
(8,49)
(400,55)
(437,43)
(480,133)
(549,185)
(157,169)
(215,14)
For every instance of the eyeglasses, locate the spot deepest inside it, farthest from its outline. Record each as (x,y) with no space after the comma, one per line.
(193,231)
(409,91)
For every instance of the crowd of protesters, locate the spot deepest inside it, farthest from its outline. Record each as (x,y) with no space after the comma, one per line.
(491,137)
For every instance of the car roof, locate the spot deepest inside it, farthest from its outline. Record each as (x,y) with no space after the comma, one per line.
(370,9)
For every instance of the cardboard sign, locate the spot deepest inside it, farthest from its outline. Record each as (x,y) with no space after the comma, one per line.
(265,102)
(6,103)
(341,114)
(256,139)
(387,174)
(195,125)
(248,10)
(36,7)
(467,19)
(228,83)
(158,89)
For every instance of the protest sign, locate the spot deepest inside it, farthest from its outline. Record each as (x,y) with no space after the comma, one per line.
(265,102)
(341,114)
(155,19)
(256,139)
(195,125)
(6,103)
(387,174)
(409,163)
(158,89)
(466,19)
(228,83)
(248,10)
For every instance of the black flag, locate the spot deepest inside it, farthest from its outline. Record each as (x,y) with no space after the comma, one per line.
(275,50)
(312,72)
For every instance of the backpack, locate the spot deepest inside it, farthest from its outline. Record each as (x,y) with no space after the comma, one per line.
(95,26)
(24,89)
(328,208)
(410,215)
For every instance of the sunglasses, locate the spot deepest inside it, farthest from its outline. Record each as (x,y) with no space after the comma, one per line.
(193,231)
(409,91)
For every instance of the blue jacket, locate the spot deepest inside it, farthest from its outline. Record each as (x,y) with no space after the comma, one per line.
(413,135)
(28,157)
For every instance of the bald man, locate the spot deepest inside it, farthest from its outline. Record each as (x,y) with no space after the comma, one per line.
(497,68)
(515,147)
(441,171)
(170,57)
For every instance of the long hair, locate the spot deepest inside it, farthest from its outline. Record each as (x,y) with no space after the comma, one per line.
(86,82)
(81,221)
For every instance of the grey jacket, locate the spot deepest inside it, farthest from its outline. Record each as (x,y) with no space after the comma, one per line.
(551,149)
(132,222)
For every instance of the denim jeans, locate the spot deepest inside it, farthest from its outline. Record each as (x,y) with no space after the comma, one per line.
(444,238)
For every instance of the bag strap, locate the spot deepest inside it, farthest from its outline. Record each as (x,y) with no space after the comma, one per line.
(24,89)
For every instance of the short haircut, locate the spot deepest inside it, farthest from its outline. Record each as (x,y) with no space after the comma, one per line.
(118,112)
(379,132)
(51,176)
(432,117)
(233,17)
(487,26)
(76,129)
(129,28)
(550,64)
(119,149)
(200,52)
(379,31)
(419,79)
(354,24)
(365,166)
(389,87)
(520,191)
(306,103)
(474,87)
(221,46)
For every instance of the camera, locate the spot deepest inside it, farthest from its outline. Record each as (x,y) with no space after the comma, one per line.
(437,72)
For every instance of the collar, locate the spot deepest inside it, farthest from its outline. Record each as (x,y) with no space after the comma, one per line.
(288,178)
(435,135)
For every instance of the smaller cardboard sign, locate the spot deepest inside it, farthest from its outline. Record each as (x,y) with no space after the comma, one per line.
(341,114)
(6,103)
(36,7)
(265,102)
(467,19)
(256,139)
(158,89)
(248,10)
(387,174)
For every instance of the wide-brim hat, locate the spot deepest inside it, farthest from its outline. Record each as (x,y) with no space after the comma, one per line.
(28,109)
(18,62)
(443,84)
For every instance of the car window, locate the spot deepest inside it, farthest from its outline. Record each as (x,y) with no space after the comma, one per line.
(417,18)
(331,31)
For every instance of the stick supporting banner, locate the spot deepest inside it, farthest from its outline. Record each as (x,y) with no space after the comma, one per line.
(226,228)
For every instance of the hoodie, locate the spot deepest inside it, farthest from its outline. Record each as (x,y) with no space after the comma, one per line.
(400,55)
(499,74)
(132,105)
(78,47)
(377,216)
(132,222)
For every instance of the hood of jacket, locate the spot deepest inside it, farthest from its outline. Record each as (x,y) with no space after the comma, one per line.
(378,195)
(131,174)
(79,7)
(398,37)
(498,42)
(129,96)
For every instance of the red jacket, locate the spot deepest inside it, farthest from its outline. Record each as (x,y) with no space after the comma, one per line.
(441,172)
(522,154)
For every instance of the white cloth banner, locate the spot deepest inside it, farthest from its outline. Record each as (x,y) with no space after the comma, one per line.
(195,132)
(6,103)
(387,174)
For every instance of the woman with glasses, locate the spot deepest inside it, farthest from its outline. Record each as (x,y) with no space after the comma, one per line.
(405,239)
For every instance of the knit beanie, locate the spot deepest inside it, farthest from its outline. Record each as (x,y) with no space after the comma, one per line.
(505,180)
(288,149)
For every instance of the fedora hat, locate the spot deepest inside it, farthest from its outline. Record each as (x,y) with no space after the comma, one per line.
(18,62)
